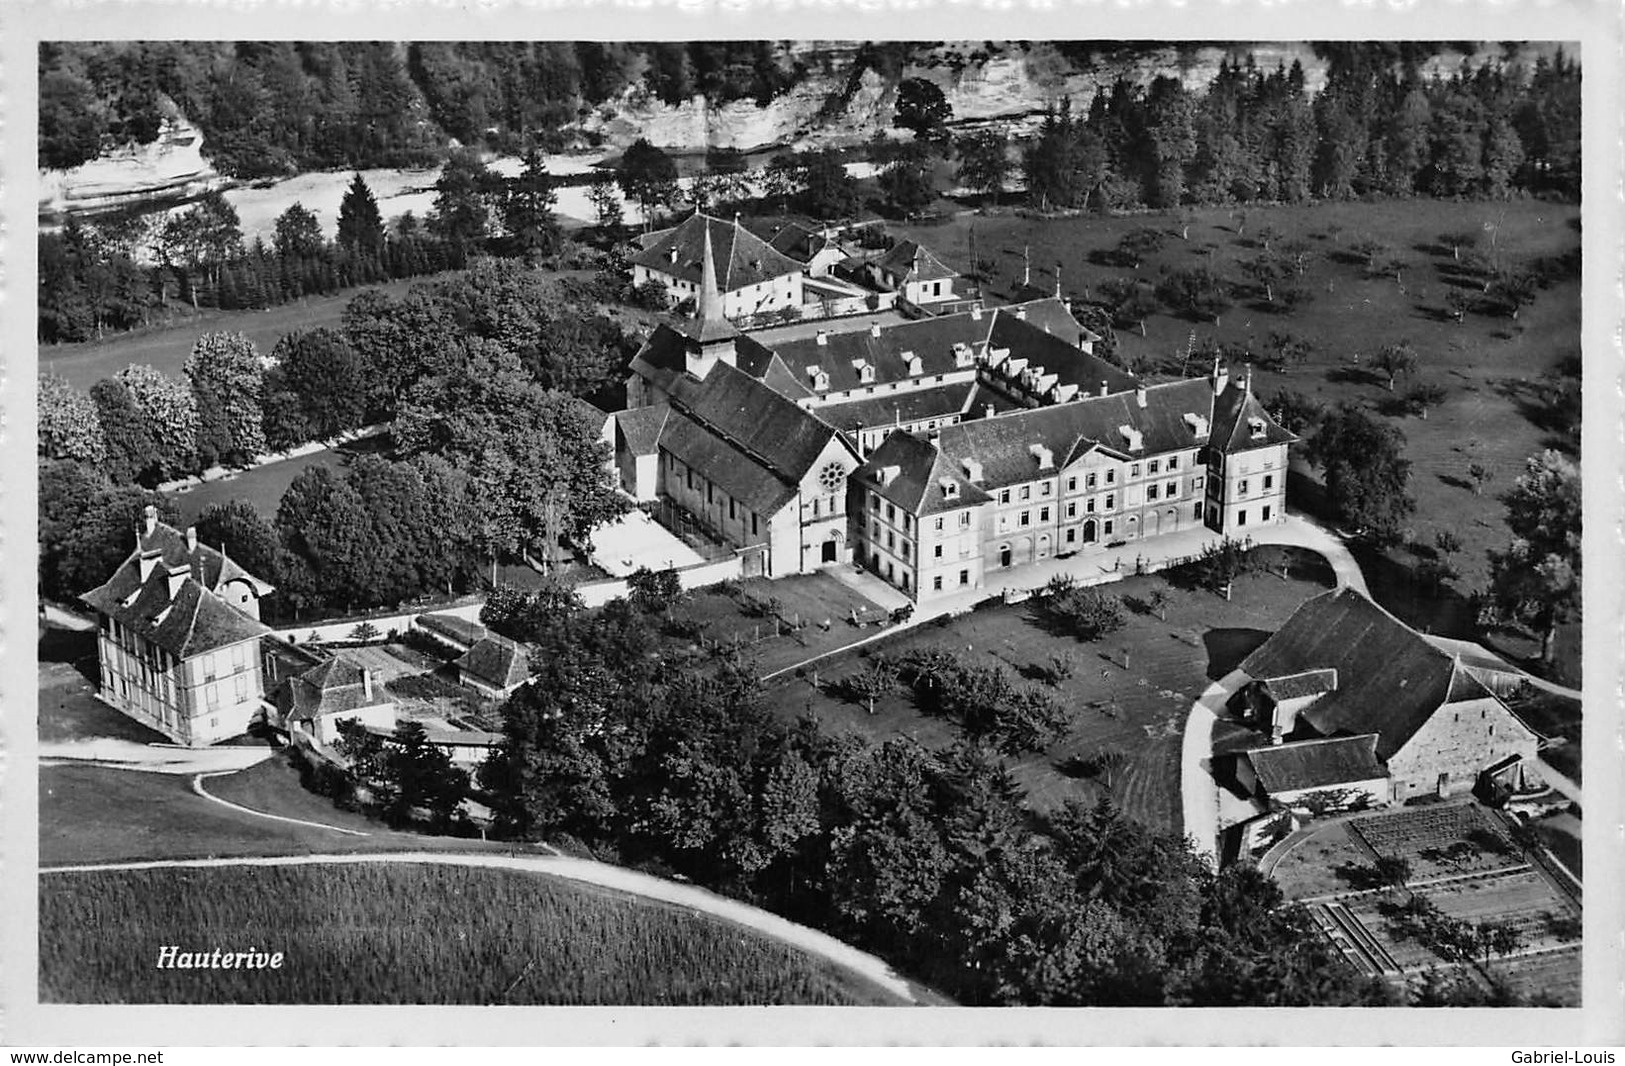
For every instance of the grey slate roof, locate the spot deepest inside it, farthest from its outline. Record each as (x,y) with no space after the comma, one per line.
(1002,444)
(917,483)
(912,261)
(640,427)
(742,258)
(195,620)
(327,688)
(935,402)
(1317,763)
(771,429)
(497,661)
(1390,679)
(1233,411)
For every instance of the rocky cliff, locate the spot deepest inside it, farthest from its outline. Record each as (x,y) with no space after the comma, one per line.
(169,170)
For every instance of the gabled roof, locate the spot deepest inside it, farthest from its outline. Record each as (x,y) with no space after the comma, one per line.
(497,661)
(329,687)
(938,401)
(797,241)
(639,428)
(1033,341)
(1050,315)
(1390,680)
(1002,444)
(771,429)
(195,619)
(931,340)
(917,473)
(1323,763)
(911,261)
(1235,411)
(742,258)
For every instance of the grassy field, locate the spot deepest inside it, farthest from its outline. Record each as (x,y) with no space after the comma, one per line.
(167,346)
(1486,364)
(740,613)
(1140,709)
(400,934)
(263,486)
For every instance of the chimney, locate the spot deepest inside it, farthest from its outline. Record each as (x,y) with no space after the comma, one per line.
(976,312)
(823,336)
(151,515)
(1221,376)
(1021,313)
(1247,380)
(366,682)
(672,255)
(1104,388)
(874,329)
(988,411)
(1057,281)
(1139,394)
(191,540)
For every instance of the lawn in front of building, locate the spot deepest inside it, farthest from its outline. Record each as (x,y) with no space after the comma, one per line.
(1132,691)
(779,623)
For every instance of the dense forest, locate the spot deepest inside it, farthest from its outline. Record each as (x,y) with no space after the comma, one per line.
(278,108)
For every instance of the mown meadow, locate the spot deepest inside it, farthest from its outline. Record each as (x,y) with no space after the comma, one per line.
(407,934)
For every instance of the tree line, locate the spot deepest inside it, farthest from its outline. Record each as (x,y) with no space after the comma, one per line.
(276,108)
(644,752)
(94,278)
(492,452)
(1255,135)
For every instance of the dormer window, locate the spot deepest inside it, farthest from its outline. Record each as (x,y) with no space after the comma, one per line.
(1131,437)
(1197,424)
(1256,426)
(950,489)
(866,372)
(820,379)
(915,369)
(963,356)
(1045,457)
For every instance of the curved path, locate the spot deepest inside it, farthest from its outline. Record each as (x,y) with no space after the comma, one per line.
(585,870)
(197,786)
(1198,790)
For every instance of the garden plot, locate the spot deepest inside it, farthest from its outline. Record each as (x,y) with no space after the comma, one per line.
(1442,841)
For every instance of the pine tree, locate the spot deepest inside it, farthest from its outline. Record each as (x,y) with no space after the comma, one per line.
(361,227)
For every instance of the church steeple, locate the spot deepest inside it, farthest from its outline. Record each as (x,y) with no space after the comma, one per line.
(710,297)
(710,335)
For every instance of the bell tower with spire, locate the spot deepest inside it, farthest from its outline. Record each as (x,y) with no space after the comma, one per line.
(710,335)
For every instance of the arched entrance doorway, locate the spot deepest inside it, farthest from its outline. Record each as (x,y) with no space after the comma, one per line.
(1091,532)
(831,550)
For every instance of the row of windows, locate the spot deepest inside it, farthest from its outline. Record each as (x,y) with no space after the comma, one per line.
(733,505)
(1269,483)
